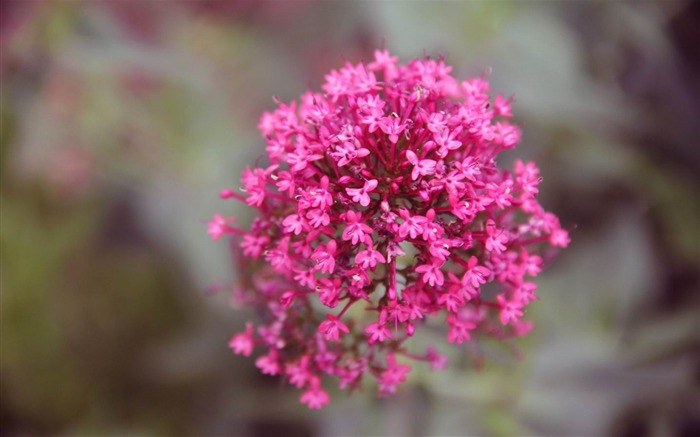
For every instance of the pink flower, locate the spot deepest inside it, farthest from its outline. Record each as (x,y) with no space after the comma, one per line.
(460,330)
(440,248)
(293,223)
(527,176)
(324,257)
(436,122)
(437,361)
(531,263)
(243,343)
(496,238)
(506,134)
(377,332)
(355,230)
(451,300)
(393,375)
(348,152)
(361,195)
(522,327)
(315,397)
(431,273)
(351,376)
(525,292)
(393,127)
(511,311)
(268,364)
(253,245)
(475,274)
(321,198)
(432,231)
(412,226)
(468,168)
(332,327)
(423,167)
(218,226)
(382,196)
(329,291)
(368,258)
(559,238)
(446,142)
(298,372)
(501,106)
(383,60)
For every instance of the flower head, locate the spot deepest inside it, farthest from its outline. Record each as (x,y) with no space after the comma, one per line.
(382,194)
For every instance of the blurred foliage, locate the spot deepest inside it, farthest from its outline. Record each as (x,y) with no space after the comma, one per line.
(121,120)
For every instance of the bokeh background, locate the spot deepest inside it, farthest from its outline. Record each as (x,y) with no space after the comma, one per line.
(121,120)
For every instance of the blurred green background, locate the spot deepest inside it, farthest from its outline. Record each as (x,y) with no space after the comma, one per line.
(121,120)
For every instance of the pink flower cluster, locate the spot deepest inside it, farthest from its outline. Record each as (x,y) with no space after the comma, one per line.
(382,207)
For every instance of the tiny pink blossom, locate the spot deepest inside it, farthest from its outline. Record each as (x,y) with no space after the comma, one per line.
(445,140)
(368,258)
(298,372)
(320,196)
(393,127)
(440,248)
(377,332)
(325,257)
(315,397)
(329,291)
(355,230)
(496,238)
(527,176)
(531,263)
(394,375)
(383,60)
(460,330)
(432,274)
(332,327)
(452,301)
(318,218)
(361,195)
(501,106)
(243,343)
(436,122)
(218,226)
(522,327)
(423,167)
(525,292)
(268,364)
(293,223)
(254,245)
(437,361)
(475,274)
(412,226)
(511,311)
(559,238)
